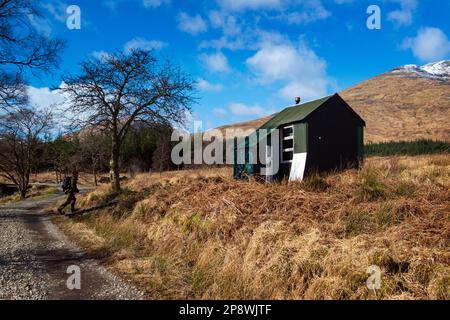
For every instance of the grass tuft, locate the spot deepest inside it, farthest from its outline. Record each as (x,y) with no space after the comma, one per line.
(371,187)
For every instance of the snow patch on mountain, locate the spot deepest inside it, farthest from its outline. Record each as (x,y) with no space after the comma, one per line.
(436,70)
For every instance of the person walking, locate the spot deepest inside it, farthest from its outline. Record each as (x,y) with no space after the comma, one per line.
(70,188)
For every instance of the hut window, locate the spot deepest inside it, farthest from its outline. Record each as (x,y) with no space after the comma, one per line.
(288,131)
(287,144)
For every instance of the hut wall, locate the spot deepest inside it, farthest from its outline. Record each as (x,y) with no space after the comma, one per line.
(334,135)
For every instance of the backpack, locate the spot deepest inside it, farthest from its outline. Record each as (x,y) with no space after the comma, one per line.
(67,183)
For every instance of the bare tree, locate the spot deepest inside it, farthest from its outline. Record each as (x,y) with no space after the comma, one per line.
(12,91)
(161,156)
(95,150)
(21,132)
(60,153)
(22,48)
(115,91)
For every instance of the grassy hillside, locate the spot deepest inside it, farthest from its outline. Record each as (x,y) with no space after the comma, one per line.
(200,234)
(402,107)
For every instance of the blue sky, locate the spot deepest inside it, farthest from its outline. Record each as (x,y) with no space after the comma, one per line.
(252,57)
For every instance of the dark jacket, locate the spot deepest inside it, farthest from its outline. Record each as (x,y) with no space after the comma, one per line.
(73,185)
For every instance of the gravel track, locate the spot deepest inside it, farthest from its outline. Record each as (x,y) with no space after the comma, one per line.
(35,255)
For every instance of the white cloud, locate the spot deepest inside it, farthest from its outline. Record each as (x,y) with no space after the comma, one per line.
(191,24)
(343,1)
(238,5)
(241,32)
(236,110)
(44,98)
(220,112)
(47,99)
(228,23)
(404,15)
(305,17)
(430,44)
(143,44)
(224,42)
(100,54)
(241,109)
(41,24)
(154,3)
(312,10)
(133,44)
(300,71)
(204,85)
(58,11)
(300,11)
(215,62)
(273,62)
(54,100)
(148,4)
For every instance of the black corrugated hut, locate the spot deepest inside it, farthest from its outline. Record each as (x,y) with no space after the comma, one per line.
(320,135)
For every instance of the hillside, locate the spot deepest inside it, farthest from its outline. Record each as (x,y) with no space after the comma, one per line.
(407,103)
(247,125)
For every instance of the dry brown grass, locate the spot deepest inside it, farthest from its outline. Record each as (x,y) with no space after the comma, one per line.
(85,179)
(201,234)
(36,192)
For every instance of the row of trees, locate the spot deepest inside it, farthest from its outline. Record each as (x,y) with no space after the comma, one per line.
(144,148)
(119,107)
(407,148)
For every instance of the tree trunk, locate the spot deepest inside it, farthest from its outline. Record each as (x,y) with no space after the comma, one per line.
(23,187)
(114,165)
(23,192)
(94,172)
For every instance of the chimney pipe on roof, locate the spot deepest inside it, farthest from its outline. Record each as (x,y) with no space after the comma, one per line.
(297,100)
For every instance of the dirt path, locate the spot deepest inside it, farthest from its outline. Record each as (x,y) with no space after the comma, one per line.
(35,256)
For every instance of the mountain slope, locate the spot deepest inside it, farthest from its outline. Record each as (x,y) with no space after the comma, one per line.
(406,103)
(437,70)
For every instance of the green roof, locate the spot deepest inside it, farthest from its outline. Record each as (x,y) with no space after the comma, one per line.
(294,113)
